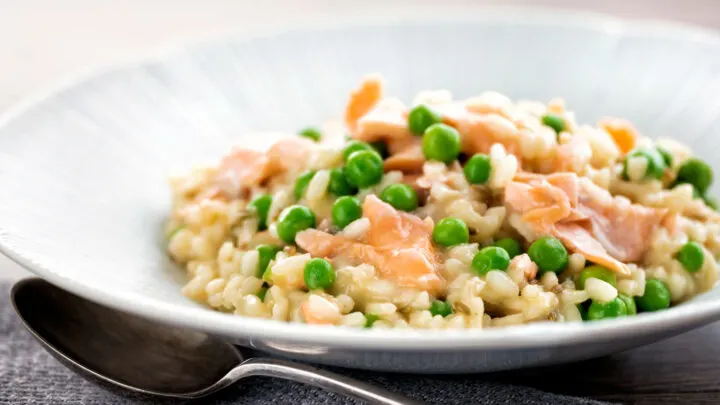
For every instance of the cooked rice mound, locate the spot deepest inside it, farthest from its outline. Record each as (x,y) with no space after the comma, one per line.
(448,214)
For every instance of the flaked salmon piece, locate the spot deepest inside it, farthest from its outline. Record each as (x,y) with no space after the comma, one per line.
(213,193)
(480,132)
(621,131)
(543,200)
(399,145)
(244,168)
(409,267)
(390,227)
(480,129)
(406,155)
(527,177)
(581,240)
(289,154)
(404,242)
(412,267)
(621,227)
(409,161)
(498,104)
(585,217)
(414,179)
(370,117)
(565,181)
(363,99)
(574,155)
(322,244)
(387,120)
(399,246)
(540,204)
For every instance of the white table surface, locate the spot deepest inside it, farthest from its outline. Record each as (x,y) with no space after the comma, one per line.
(43,40)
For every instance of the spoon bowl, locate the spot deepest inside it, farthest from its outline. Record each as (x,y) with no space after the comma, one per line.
(122,350)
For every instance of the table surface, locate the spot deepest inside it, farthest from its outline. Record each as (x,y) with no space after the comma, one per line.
(680,370)
(41,41)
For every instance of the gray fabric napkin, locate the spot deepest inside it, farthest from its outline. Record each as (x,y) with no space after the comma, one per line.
(29,375)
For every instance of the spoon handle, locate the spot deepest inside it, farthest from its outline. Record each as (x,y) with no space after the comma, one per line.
(330,381)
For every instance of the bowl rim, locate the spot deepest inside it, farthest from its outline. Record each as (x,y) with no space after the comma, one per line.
(511,337)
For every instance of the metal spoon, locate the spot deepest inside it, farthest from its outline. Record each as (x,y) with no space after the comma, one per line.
(136,354)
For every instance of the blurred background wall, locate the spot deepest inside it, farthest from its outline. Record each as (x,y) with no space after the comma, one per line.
(43,40)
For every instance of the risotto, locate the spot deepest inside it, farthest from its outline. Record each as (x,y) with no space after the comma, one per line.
(449,214)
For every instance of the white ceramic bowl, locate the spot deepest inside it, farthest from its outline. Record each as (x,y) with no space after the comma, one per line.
(83,167)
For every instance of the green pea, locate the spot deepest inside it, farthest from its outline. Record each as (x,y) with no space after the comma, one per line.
(554,121)
(691,256)
(604,310)
(451,231)
(549,254)
(695,192)
(292,220)
(656,297)
(697,173)
(266,253)
(301,183)
(355,146)
(370,320)
(655,163)
(267,277)
(260,207)
(262,293)
(400,196)
(441,142)
(583,308)
(629,304)
(339,185)
(666,156)
(319,274)
(510,245)
(441,308)
(598,272)
(711,201)
(477,169)
(311,133)
(346,210)
(490,258)
(364,168)
(421,117)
